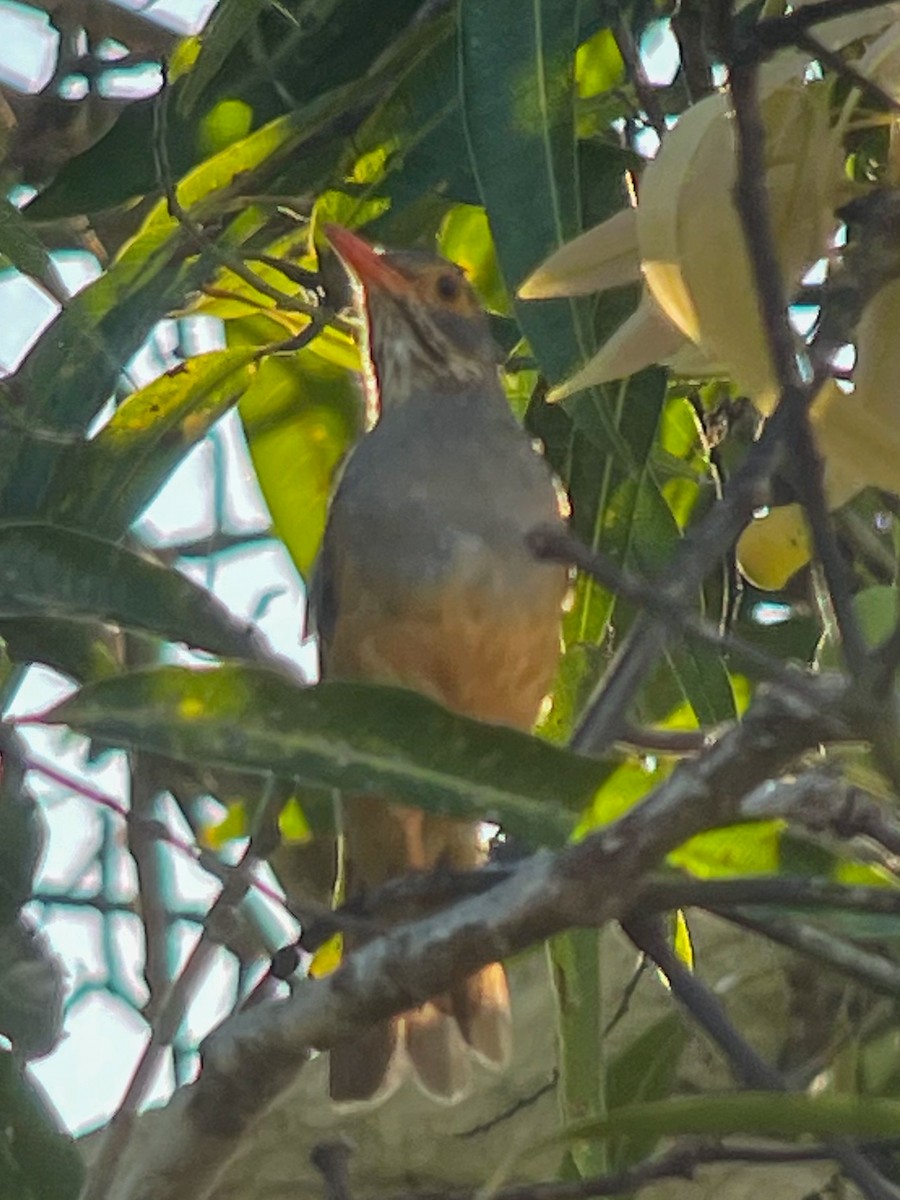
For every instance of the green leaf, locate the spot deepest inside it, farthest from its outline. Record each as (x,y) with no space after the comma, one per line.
(762,1114)
(81,649)
(26,252)
(22,832)
(38,1161)
(517,83)
(116,168)
(48,571)
(104,484)
(356,737)
(417,136)
(299,51)
(575,961)
(74,367)
(300,416)
(735,850)
(226,29)
(645,1070)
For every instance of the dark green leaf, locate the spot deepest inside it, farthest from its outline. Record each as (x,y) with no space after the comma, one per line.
(227,28)
(80,649)
(517,83)
(26,252)
(356,737)
(645,1070)
(37,1160)
(21,831)
(763,1114)
(116,168)
(48,571)
(32,989)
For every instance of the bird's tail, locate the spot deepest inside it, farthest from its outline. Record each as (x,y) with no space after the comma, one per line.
(437,1041)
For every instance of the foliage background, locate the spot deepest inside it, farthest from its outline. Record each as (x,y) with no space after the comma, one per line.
(497,132)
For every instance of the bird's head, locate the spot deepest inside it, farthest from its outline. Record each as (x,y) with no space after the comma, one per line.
(425,329)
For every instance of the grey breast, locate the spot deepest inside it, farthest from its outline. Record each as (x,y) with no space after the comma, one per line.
(443,486)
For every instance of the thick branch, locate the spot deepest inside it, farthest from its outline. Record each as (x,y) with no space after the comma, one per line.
(255,1056)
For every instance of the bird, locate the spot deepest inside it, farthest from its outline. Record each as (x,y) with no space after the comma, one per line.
(425,580)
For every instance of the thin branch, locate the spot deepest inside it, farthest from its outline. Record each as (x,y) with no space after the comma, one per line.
(721,895)
(825,804)
(681,1161)
(840,66)
(752,202)
(318,314)
(646,93)
(663,600)
(776,33)
(665,741)
(256,1054)
(749,1067)
(163,1030)
(862,965)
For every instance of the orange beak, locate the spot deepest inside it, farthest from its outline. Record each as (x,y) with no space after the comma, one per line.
(373,270)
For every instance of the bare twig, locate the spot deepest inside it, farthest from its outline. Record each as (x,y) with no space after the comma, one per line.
(332,1161)
(752,203)
(749,1067)
(799,892)
(865,967)
(663,600)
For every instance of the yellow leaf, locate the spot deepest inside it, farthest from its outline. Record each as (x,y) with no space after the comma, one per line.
(328,957)
(774,547)
(293,825)
(233,825)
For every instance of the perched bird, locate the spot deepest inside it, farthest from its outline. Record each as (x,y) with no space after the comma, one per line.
(425,581)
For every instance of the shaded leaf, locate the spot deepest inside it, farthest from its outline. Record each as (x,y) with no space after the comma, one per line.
(517,82)
(81,649)
(575,962)
(32,989)
(22,833)
(38,1161)
(645,1070)
(764,1114)
(26,252)
(48,571)
(227,27)
(356,737)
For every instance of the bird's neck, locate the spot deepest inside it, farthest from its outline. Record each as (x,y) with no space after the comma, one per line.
(398,379)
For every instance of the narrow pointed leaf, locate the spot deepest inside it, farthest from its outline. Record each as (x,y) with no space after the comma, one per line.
(356,737)
(47,571)
(763,1114)
(25,251)
(517,84)
(104,484)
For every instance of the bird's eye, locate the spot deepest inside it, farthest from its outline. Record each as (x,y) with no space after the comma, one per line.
(447,286)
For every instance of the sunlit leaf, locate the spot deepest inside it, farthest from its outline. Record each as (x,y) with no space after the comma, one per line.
(104,484)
